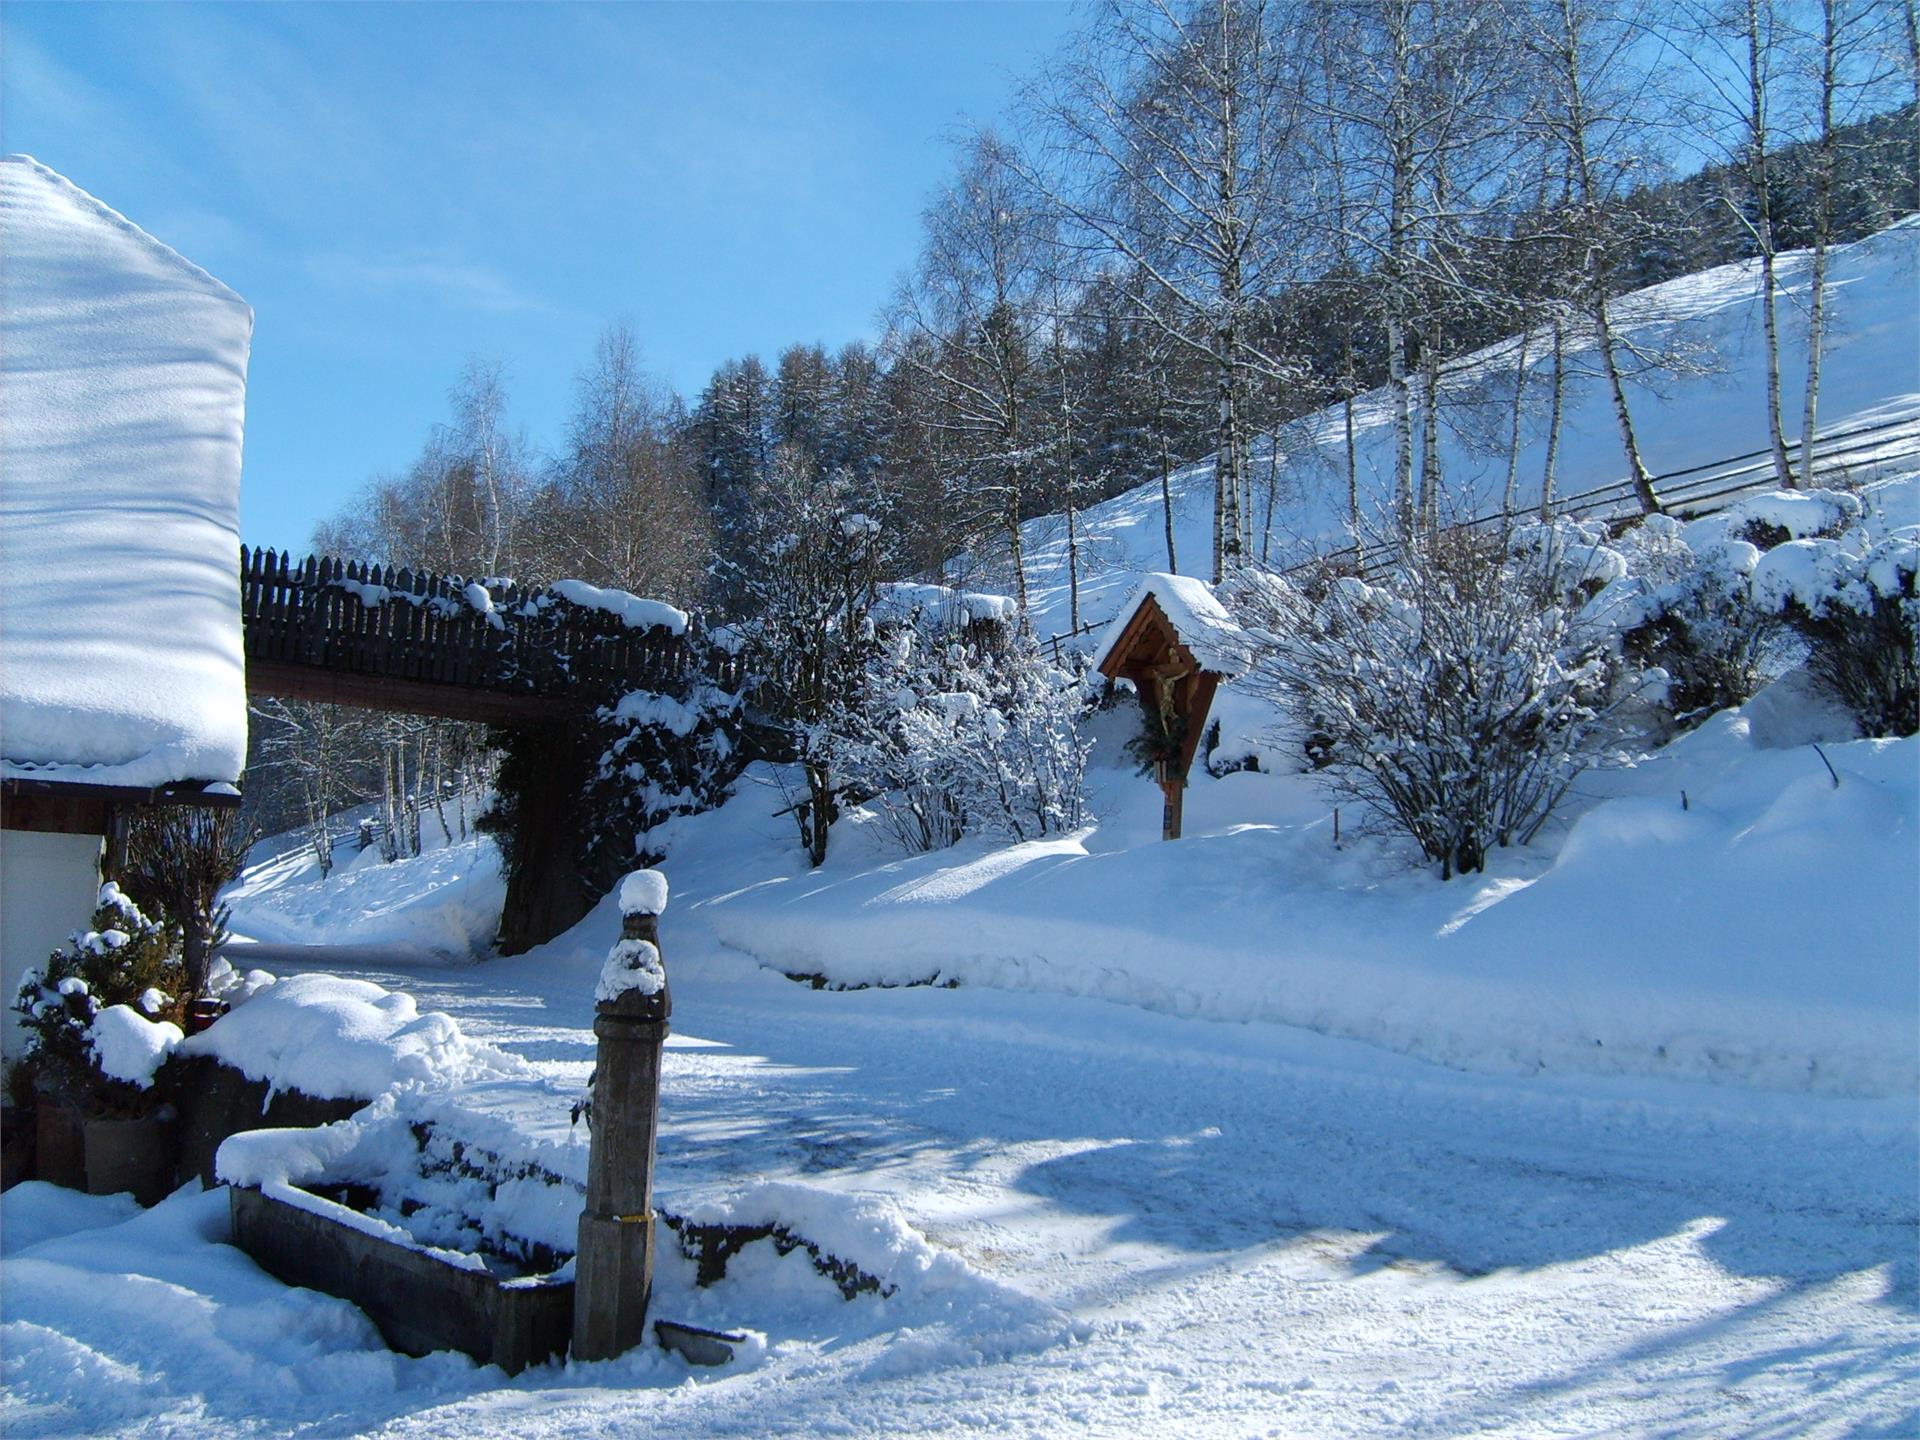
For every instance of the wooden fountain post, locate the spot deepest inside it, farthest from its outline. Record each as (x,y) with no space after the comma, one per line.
(613,1279)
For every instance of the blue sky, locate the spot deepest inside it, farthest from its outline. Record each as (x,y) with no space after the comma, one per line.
(397,187)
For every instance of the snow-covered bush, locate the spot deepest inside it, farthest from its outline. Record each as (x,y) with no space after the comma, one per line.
(1458,697)
(113,986)
(969,734)
(626,769)
(1855,605)
(818,546)
(1686,611)
(178,859)
(665,755)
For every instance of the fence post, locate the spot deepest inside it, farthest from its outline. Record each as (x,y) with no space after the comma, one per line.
(613,1271)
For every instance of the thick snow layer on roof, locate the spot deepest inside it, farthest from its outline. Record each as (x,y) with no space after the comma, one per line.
(123,380)
(1200,620)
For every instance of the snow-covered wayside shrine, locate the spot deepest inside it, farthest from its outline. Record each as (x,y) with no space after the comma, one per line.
(1267,1131)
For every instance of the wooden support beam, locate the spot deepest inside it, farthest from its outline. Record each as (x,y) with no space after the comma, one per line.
(290,680)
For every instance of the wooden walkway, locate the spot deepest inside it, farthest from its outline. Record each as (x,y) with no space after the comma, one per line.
(386,639)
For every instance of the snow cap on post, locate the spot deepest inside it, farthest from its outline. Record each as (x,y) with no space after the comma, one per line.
(644,892)
(633,966)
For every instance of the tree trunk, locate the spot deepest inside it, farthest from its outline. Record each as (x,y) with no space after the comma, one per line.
(1513,438)
(1166,502)
(1637,471)
(1402,422)
(1822,237)
(1760,179)
(1431,478)
(1554,407)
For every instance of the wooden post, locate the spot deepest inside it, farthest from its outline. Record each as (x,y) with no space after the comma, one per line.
(613,1279)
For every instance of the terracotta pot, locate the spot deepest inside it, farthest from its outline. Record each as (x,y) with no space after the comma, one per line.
(19,1126)
(133,1155)
(60,1145)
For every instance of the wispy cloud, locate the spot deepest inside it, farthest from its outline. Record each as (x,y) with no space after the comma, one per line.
(458,283)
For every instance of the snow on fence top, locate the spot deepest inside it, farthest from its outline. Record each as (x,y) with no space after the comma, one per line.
(123,378)
(633,612)
(1200,620)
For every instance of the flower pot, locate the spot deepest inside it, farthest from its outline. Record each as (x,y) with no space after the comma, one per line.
(131,1155)
(19,1125)
(60,1147)
(202,1013)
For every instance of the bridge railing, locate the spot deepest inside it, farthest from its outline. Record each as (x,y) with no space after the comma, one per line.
(414,626)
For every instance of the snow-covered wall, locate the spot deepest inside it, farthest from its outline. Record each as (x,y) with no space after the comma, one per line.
(123,377)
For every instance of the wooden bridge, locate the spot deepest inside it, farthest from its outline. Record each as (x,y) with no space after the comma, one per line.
(387,639)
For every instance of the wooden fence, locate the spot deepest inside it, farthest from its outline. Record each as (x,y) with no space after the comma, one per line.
(1857,453)
(398,631)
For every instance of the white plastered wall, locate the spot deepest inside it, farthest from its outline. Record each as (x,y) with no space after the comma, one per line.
(48,885)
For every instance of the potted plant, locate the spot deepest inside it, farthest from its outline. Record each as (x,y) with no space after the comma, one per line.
(99,1020)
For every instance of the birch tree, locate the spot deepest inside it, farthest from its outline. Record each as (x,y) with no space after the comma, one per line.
(1169,139)
(979,299)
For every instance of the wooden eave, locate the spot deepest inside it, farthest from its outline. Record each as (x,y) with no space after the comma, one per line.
(1148,646)
(62,807)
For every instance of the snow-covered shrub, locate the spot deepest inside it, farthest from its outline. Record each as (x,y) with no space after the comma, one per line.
(178,859)
(1685,612)
(626,769)
(118,980)
(818,547)
(969,734)
(665,755)
(1855,605)
(1458,697)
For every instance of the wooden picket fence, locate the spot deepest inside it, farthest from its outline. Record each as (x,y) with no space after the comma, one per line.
(415,627)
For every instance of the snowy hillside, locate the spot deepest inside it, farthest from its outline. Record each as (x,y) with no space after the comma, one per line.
(1871,373)
(444,901)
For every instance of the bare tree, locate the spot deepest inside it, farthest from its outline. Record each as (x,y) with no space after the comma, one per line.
(1169,138)
(316,748)
(178,859)
(628,508)
(979,303)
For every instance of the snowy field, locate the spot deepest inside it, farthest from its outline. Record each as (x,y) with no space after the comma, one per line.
(1255,1134)
(1101,1218)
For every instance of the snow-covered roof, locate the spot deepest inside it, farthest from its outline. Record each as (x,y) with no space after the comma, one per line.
(123,381)
(1197,617)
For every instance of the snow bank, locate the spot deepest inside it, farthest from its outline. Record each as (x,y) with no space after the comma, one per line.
(632,611)
(953,1313)
(1726,915)
(345,1039)
(444,901)
(123,372)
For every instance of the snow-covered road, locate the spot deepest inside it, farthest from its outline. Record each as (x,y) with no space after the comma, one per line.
(1256,1230)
